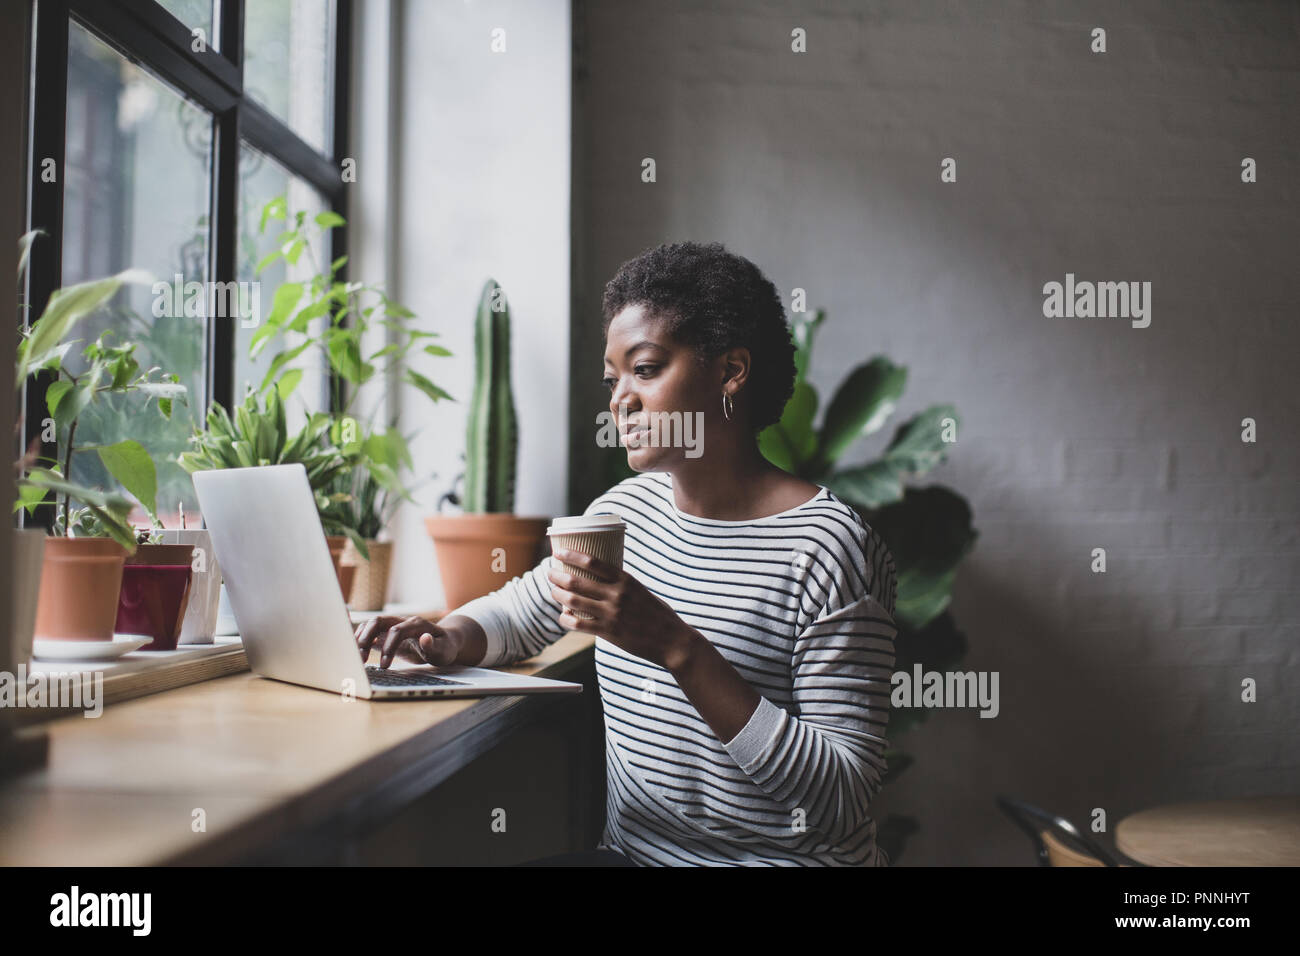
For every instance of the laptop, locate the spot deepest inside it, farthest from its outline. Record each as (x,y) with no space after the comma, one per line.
(285,594)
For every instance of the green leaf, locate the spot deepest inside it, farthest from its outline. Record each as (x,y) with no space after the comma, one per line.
(284,301)
(345,357)
(66,307)
(918,443)
(358,542)
(25,249)
(312,311)
(793,439)
(922,597)
(130,464)
(244,454)
(109,508)
(54,395)
(412,377)
(288,382)
(775,447)
(280,361)
(29,496)
(436,350)
(294,251)
(928,532)
(870,486)
(71,404)
(329,220)
(384,449)
(266,260)
(860,406)
(52,360)
(275,209)
(803,332)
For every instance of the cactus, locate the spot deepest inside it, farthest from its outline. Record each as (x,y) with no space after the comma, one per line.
(492,436)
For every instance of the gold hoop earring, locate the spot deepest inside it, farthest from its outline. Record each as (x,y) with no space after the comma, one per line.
(727,411)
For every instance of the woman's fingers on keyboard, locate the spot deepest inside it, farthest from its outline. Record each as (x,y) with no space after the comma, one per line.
(409,650)
(369,631)
(410,627)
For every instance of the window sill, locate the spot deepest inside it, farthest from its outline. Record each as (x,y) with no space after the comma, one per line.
(149,672)
(134,675)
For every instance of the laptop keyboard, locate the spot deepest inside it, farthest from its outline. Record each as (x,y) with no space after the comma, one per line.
(379,677)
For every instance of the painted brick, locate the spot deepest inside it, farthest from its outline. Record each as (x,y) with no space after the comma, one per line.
(1075,433)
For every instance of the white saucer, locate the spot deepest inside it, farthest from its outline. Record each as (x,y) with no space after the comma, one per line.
(45,649)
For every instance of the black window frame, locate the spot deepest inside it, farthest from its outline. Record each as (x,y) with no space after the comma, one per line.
(148,35)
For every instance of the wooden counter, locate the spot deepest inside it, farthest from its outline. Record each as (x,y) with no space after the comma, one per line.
(280,773)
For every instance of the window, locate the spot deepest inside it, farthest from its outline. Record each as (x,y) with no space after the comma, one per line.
(167,126)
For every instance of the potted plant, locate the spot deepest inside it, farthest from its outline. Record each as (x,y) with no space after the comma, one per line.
(484,547)
(928,530)
(373,497)
(368,498)
(339,321)
(82,563)
(257,435)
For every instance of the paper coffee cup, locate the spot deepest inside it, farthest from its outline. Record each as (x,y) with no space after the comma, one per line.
(600,536)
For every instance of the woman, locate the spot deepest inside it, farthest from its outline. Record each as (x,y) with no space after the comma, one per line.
(745,648)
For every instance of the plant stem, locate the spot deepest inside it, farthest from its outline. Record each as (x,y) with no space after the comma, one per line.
(67,476)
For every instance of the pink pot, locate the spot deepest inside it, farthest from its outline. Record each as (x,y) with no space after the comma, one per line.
(154,595)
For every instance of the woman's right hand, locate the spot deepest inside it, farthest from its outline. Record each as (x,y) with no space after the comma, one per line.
(412,639)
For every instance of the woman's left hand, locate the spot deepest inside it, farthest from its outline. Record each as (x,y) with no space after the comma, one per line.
(623,611)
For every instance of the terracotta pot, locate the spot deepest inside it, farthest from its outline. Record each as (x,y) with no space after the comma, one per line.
(370,586)
(155,590)
(466,546)
(28,553)
(80,582)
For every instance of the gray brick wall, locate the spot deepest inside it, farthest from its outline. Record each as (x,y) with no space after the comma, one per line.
(1119,690)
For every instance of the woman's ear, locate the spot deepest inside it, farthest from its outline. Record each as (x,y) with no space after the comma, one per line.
(735,366)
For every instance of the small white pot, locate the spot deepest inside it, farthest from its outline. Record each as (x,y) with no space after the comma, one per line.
(28,555)
(227,626)
(200,624)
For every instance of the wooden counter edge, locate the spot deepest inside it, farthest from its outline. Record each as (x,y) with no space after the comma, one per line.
(404,771)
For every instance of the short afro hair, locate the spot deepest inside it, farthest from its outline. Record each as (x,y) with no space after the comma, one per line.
(713,300)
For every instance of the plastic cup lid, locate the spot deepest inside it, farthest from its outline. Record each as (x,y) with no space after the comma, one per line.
(599,522)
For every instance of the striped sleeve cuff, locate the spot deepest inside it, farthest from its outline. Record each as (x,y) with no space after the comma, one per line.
(758,739)
(491,618)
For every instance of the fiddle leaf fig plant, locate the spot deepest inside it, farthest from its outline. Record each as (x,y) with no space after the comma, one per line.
(903,516)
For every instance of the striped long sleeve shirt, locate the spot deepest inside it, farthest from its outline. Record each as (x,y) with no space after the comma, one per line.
(801,604)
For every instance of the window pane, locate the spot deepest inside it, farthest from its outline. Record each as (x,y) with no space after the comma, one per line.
(289,64)
(136,196)
(193,13)
(262,179)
